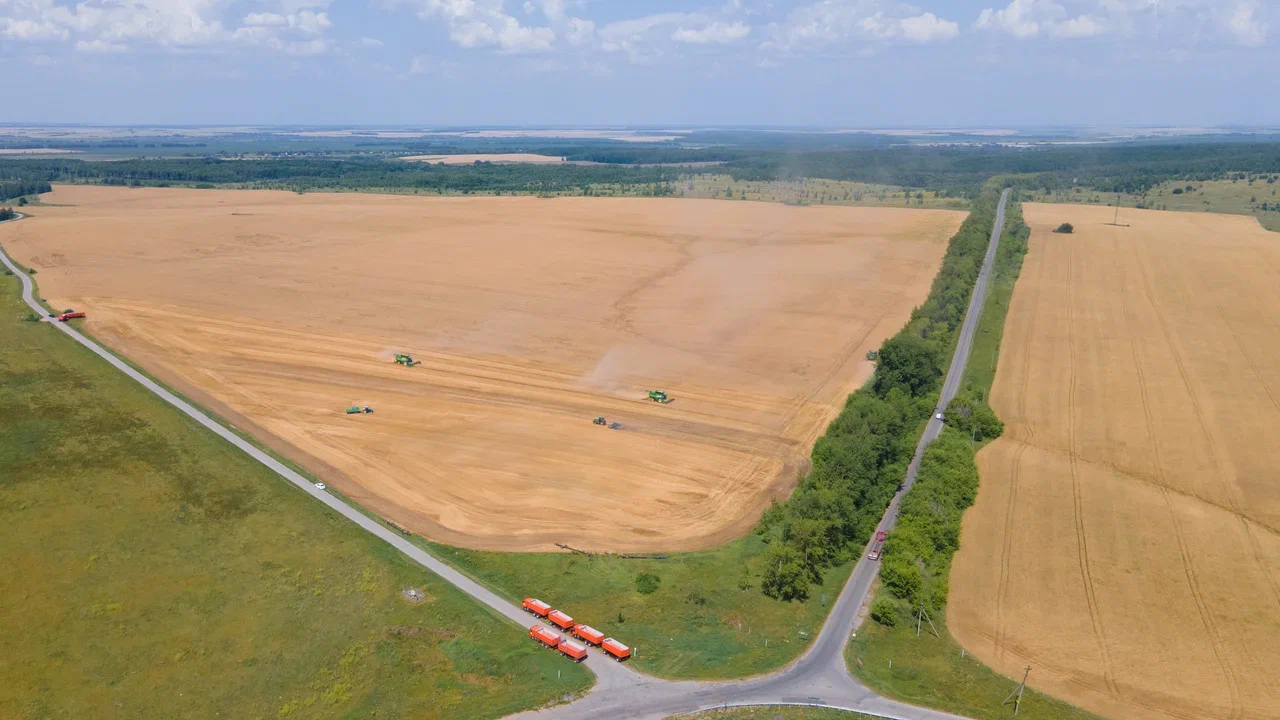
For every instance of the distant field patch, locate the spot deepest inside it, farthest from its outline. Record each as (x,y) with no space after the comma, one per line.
(482,157)
(36,151)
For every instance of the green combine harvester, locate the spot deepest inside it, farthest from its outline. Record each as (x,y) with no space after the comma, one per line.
(356,410)
(407,360)
(659,397)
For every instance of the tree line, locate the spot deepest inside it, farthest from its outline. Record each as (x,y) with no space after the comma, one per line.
(10,189)
(859,463)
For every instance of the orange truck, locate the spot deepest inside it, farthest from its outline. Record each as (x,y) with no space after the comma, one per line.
(576,652)
(544,635)
(536,606)
(560,620)
(615,649)
(588,634)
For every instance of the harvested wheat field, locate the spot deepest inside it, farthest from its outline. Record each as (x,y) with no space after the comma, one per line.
(1126,537)
(530,318)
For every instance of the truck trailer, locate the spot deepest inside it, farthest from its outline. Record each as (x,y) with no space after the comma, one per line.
(536,606)
(545,635)
(588,634)
(615,649)
(560,620)
(576,652)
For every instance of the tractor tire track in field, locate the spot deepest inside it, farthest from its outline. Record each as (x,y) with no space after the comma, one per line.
(1007,550)
(1082,543)
(1206,617)
(1027,425)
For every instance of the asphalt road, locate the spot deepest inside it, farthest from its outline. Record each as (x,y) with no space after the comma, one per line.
(819,677)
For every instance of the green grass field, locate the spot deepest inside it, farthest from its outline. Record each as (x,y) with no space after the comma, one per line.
(151,570)
(706,619)
(773,712)
(1233,197)
(931,672)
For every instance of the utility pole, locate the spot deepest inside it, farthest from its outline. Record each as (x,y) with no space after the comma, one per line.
(921,616)
(1017,701)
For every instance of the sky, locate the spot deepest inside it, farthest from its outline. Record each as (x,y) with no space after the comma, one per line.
(825,63)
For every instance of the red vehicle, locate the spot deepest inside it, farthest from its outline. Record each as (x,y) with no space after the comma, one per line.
(576,652)
(560,620)
(69,316)
(588,634)
(615,649)
(545,635)
(876,547)
(535,606)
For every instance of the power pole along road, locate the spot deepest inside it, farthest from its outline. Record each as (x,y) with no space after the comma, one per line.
(819,677)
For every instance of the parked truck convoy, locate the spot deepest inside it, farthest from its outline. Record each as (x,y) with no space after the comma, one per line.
(573,650)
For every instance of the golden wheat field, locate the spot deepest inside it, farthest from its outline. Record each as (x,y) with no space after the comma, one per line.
(530,317)
(1125,542)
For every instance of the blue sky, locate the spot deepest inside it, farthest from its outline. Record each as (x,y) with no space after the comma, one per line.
(841,63)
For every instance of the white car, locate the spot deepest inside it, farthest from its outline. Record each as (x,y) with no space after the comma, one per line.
(319,486)
(938,416)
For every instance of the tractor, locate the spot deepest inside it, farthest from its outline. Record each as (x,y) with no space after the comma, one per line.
(357,409)
(407,360)
(599,421)
(605,423)
(659,396)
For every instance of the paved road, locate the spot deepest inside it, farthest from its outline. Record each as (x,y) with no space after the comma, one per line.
(819,677)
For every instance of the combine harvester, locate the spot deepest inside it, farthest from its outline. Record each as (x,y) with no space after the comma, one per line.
(406,360)
(659,396)
(357,410)
(70,315)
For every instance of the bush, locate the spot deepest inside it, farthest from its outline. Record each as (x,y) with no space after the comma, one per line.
(973,417)
(1065,229)
(1177,191)
(885,611)
(7,214)
(785,576)
(647,583)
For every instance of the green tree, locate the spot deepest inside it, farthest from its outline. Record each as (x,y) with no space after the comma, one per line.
(910,362)
(973,417)
(785,575)
(1065,229)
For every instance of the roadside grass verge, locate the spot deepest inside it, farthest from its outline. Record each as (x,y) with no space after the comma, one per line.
(927,670)
(151,570)
(931,672)
(773,712)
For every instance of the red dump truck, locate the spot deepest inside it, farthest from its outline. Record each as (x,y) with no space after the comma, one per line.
(560,620)
(615,649)
(69,316)
(877,546)
(588,634)
(536,606)
(544,635)
(576,652)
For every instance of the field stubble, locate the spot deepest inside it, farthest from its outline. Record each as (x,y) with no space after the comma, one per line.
(530,318)
(1125,537)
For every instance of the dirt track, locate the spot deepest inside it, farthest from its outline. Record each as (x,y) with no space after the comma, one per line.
(530,316)
(1126,537)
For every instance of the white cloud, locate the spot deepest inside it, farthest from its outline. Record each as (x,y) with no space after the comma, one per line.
(1030,18)
(1245,25)
(370,42)
(114,25)
(634,36)
(25,29)
(928,27)
(714,33)
(485,23)
(100,47)
(828,22)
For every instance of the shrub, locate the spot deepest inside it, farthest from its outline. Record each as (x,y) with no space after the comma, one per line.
(1065,229)
(885,611)
(1177,191)
(785,576)
(647,583)
(973,417)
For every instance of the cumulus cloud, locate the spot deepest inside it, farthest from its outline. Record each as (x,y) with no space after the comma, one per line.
(831,22)
(102,26)
(1244,23)
(1030,18)
(486,23)
(714,33)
